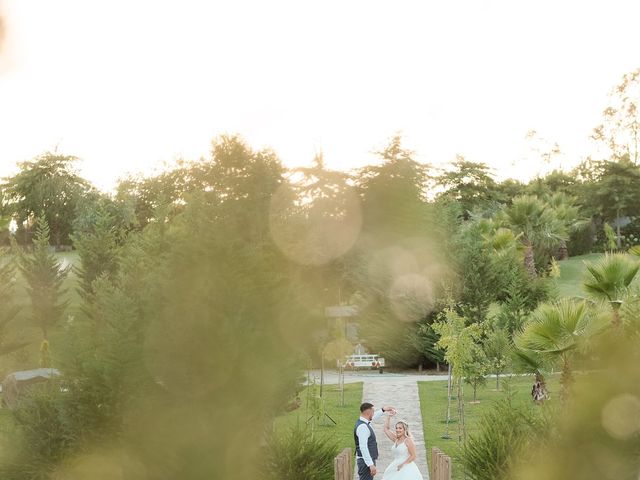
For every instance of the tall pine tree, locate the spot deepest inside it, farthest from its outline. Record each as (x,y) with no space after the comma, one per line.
(44,276)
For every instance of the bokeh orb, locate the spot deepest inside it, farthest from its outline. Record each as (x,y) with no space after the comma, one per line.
(621,416)
(314,232)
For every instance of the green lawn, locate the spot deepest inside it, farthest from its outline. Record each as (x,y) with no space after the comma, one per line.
(572,273)
(344,416)
(433,403)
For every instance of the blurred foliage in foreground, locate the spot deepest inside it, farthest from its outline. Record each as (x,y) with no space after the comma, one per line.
(591,432)
(182,353)
(597,432)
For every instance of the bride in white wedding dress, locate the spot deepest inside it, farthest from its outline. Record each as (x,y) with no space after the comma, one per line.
(403,466)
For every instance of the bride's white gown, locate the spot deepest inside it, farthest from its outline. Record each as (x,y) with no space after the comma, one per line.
(408,472)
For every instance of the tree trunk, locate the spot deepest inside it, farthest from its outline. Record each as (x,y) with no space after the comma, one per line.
(566,379)
(497,381)
(616,322)
(448,421)
(321,372)
(563,251)
(529,262)
(618,239)
(462,429)
(458,389)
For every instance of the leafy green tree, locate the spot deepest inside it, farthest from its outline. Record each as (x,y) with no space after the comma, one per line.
(399,256)
(195,298)
(103,364)
(459,342)
(556,181)
(568,213)
(393,194)
(497,348)
(509,189)
(516,293)
(146,199)
(619,131)
(227,308)
(46,186)
(473,259)
(315,219)
(426,340)
(476,370)
(469,183)
(97,204)
(98,249)
(611,239)
(44,276)
(514,307)
(8,309)
(609,279)
(613,193)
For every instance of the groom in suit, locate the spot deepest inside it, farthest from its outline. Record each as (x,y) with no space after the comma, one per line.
(365,438)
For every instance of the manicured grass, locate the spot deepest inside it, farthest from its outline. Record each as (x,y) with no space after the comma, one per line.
(433,404)
(345,416)
(572,272)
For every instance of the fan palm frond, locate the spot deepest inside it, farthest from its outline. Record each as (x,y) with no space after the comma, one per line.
(557,329)
(610,277)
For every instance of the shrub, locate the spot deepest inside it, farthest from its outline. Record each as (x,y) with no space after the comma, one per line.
(296,454)
(583,240)
(44,438)
(507,434)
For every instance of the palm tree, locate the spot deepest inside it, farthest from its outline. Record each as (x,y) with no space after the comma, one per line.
(527,361)
(567,213)
(609,280)
(556,332)
(536,225)
(501,240)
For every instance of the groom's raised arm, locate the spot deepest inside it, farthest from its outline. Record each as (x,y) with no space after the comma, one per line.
(381,411)
(377,414)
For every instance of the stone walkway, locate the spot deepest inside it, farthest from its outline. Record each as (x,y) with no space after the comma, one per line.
(402,393)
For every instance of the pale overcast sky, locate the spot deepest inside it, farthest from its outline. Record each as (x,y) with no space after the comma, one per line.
(128,85)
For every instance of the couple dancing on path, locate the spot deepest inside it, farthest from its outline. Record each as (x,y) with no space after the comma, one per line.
(403,466)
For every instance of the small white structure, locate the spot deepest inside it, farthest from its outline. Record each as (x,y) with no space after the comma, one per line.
(364,361)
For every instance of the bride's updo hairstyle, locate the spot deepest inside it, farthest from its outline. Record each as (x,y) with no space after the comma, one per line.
(406,428)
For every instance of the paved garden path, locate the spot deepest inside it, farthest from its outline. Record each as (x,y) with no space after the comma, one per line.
(402,393)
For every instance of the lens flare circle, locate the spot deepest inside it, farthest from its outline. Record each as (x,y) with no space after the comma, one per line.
(314,232)
(621,416)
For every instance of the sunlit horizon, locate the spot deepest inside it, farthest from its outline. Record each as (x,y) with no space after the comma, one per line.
(130,87)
